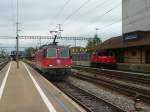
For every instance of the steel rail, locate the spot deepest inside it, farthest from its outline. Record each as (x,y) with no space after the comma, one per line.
(3,64)
(86,99)
(130,76)
(127,89)
(74,92)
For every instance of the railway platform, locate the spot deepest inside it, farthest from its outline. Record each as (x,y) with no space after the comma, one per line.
(24,90)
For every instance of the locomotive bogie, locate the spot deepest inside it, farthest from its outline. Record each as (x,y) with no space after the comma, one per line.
(57,74)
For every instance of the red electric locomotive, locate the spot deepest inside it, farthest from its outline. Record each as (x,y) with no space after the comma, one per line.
(54,61)
(103,60)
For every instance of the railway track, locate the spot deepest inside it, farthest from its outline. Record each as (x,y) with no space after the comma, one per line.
(132,76)
(129,89)
(87,100)
(3,64)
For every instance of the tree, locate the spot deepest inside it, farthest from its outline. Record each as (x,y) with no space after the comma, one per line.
(30,52)
(3,53)
(96,40)
(92,43)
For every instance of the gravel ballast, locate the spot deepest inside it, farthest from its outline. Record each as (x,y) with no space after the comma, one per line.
(124,102)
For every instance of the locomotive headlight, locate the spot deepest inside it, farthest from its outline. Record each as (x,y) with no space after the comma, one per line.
(67,66)
(58,61)
(50,65)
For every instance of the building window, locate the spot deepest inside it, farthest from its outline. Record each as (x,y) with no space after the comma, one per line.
(130,37)
(134,53)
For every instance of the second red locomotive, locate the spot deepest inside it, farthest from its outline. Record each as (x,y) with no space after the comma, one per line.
(103,60)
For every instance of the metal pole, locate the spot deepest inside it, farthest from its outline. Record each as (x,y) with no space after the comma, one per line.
(17,37)
(75,41)
(17,47)
(60,30)
(40,43)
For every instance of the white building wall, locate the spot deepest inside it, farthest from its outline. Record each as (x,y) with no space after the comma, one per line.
(136,15)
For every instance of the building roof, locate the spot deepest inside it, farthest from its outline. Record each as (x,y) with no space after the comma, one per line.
(76,47)
(118,42)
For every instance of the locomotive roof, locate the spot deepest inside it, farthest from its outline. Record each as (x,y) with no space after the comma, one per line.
(51,45)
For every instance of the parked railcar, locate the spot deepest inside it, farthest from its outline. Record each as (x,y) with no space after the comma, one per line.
(54,61)
(103,60)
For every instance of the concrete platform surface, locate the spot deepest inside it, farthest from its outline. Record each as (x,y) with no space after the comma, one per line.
(24,90)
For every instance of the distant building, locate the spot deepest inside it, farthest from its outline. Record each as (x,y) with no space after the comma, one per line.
(77,49)
(136,15)
(21,54)
(79,53)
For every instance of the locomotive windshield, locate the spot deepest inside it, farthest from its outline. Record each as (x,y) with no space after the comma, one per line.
(64,53)
(51,52)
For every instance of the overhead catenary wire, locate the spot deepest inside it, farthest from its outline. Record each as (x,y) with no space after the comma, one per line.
(107,26)
(104,14)
(59,13)
(63,7)
(98,5)
(110,24)
(123,19)
(76,11)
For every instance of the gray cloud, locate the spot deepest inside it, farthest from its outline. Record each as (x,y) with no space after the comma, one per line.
(37,17)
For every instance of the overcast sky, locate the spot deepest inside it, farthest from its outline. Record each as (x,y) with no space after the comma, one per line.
(78,18)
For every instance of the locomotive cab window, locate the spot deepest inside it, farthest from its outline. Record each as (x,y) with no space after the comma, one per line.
(51,52)
(64,53)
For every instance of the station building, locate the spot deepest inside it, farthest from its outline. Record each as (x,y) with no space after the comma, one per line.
(131,48)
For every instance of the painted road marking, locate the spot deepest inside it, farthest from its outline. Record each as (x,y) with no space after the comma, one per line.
(43,96)
(4,81)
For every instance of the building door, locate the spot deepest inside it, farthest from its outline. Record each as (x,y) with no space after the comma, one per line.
(120,55)
(148,56)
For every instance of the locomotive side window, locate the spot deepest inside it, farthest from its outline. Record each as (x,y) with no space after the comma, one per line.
(64,53)
(51,52)
(103,54)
